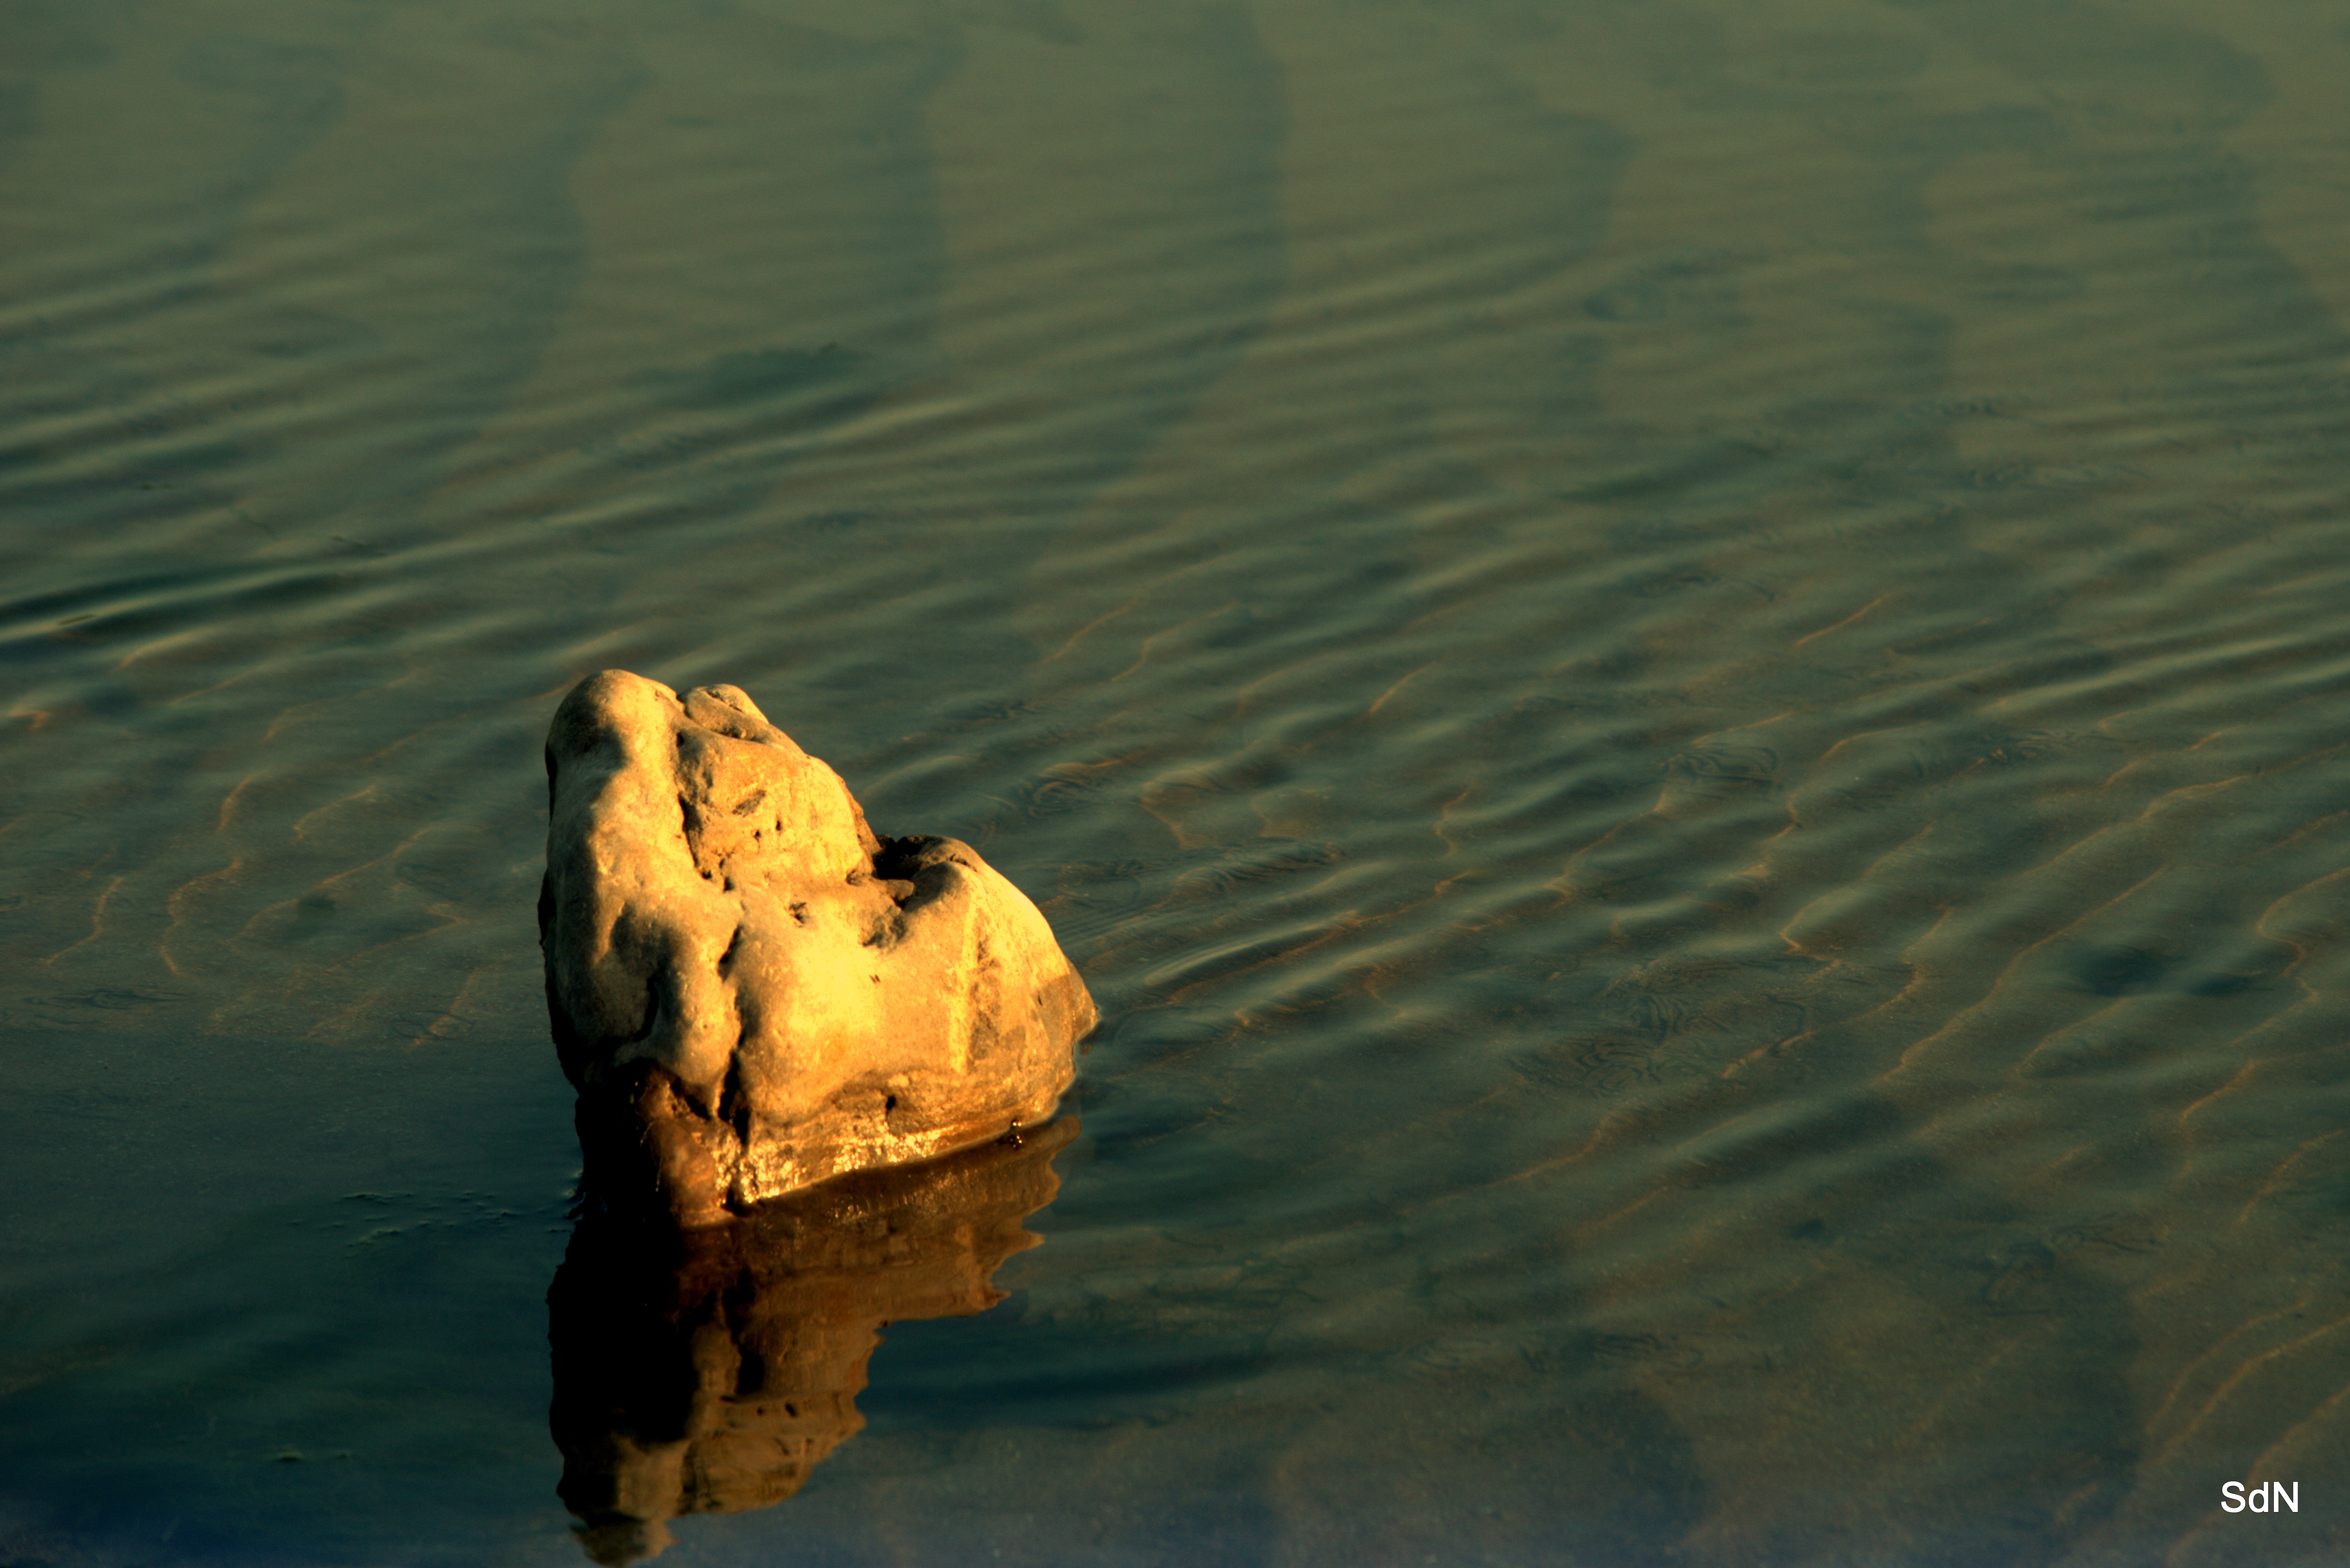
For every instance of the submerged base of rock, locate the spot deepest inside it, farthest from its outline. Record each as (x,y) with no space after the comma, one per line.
(709,1371)
(752,992)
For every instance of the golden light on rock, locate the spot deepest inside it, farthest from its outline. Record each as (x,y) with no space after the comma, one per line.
(750,990)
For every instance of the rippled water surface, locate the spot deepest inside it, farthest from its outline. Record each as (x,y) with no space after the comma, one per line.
(1676,668)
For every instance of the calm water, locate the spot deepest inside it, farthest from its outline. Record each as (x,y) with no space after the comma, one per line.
(1677,669)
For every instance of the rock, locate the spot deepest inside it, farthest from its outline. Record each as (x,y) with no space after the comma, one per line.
(709,1371)
(750,990)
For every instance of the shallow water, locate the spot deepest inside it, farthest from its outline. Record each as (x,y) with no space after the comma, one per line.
(1672,666)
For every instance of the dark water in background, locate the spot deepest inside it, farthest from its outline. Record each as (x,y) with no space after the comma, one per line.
(1675,666)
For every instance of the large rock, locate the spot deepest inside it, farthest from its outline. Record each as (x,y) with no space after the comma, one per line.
(750,990)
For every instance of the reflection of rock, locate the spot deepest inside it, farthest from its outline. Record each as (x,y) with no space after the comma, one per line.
(750,990)
(708,1371)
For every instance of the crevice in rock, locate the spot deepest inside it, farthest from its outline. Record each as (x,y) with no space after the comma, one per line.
(734,1102)
(652,1010)
(919,863)
(689,819)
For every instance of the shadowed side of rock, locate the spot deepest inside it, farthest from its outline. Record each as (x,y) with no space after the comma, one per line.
(752,991)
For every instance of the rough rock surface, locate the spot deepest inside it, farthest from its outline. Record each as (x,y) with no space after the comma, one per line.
(750,990)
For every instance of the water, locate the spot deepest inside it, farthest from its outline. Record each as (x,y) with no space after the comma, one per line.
(1673,666)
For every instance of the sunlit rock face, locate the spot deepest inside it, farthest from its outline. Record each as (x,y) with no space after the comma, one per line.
(710,1370)
(750,990)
